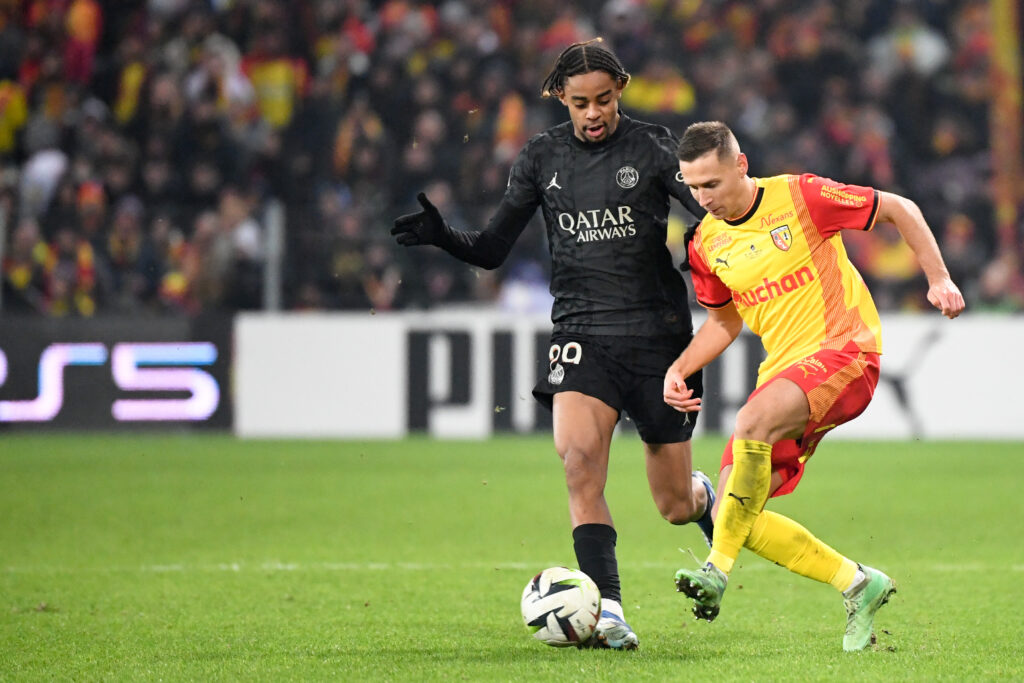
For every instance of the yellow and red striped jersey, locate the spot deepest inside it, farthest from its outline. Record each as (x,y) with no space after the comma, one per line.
(783,264)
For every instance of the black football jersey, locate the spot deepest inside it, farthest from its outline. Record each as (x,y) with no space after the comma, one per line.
(606,207)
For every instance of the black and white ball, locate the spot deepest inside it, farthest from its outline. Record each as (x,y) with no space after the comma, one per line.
(561,606)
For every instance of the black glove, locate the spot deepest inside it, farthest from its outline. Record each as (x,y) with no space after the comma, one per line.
(422,227)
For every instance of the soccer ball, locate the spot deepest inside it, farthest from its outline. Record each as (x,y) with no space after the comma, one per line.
(561,606)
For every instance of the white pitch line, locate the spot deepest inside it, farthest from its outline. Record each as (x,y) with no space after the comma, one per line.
(278,566)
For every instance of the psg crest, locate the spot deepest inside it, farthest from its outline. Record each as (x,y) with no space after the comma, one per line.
(782,237)
(627,177)
(557,373)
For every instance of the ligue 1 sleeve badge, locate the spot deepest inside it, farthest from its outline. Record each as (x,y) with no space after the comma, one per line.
(782,237)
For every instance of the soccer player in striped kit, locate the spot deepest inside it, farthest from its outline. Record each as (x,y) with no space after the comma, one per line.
(769,254)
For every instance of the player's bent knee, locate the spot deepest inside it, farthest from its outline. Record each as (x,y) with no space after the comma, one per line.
(678,515)
(583,474)
(677,511)
(754,425)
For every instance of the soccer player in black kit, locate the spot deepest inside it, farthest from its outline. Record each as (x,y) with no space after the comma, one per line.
(621,316)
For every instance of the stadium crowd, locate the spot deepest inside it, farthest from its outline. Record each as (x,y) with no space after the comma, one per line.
(140,140)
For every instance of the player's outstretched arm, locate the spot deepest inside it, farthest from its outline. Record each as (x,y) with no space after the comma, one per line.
(943,293)
(486,249)
(714,336)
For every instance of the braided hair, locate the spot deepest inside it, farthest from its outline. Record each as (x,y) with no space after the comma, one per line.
(583,58)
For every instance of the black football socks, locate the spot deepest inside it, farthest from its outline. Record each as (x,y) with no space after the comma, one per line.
(595,552)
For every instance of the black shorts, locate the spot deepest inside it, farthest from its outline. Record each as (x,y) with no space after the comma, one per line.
(627,373)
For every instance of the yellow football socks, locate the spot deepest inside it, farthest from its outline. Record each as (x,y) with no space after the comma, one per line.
(785,542)
(745,494)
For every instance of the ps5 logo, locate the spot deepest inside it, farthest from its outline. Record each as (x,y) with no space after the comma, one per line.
(135,366)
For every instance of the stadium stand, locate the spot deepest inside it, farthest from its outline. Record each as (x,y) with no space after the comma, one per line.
(141,141)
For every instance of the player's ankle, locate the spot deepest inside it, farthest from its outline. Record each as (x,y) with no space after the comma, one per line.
(613,606)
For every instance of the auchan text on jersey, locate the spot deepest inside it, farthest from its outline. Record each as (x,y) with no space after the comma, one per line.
(772,288)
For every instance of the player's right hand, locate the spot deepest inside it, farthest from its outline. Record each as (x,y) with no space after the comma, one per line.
(422,227)
(945,296)
(677,394)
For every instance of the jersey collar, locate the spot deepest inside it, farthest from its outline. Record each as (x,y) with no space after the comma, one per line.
(749,212)
(624,123)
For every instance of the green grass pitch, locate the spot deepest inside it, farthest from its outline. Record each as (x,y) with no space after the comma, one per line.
(184,557)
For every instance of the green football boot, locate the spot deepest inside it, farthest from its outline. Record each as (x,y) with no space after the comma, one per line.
(862,601)
(705,586)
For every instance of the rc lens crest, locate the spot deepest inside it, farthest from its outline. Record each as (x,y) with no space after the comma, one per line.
(627,177)
(782,237)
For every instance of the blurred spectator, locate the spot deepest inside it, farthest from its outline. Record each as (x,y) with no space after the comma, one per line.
(890,269)
(70,276)
(1000,286)
(124,253)
(83,23)
(245,237)
(909,44)
(279,79)
(140,141)
(219,73)
(130,72)
(39,179)
(165,286)
(24,269)
(205,264)
(347,260)
(660,89)
(963,250)
(89,213)
(382,277)
(13,114)
(163,115)
(12,40)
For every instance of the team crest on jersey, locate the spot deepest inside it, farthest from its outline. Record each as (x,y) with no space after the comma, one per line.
(782,237)
(627,177)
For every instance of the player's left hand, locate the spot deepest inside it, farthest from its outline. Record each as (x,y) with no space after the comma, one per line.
(945,296)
